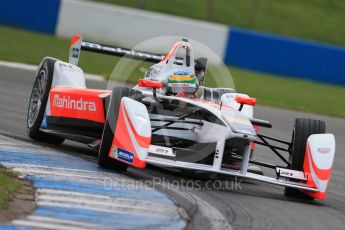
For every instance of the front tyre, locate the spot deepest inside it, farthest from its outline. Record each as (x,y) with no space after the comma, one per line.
(303,128)
(38,102)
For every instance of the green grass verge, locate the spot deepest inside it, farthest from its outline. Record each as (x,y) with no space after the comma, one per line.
(311,19)
(8,186)
(28,47)
(291,93)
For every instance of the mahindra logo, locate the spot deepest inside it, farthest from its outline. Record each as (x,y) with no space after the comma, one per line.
(68,103)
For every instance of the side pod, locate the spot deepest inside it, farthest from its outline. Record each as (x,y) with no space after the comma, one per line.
(132,136)
(318,161)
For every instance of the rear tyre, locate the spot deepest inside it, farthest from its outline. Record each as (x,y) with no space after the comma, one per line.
(303,128)
(38,102)
(109,128)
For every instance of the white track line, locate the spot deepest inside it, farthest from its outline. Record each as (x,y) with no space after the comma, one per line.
(133,207)
(93,176)
(63,222)
(106,178)
(115,204)
(44,225)
(29,166)
(113,209)
(48,193)
(17,65)
(216,219)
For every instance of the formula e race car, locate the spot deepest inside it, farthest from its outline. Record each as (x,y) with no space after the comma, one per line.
(171,119)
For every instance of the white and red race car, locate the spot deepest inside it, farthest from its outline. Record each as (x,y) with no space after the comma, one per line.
(170,119)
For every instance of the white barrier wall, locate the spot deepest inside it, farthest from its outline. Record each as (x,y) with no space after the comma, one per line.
(127,27)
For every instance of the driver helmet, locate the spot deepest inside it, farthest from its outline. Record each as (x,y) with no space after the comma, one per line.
(182,83)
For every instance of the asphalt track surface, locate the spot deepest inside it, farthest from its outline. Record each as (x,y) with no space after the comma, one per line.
(252,206)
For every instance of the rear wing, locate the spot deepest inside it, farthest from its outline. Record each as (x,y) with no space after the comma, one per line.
(77,45)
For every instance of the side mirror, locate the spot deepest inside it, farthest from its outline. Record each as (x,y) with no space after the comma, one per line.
(150,84)
(237,101)
(245,100)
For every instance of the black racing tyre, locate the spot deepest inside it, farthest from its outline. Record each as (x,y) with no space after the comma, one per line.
(109,128)
(303,128)
(38,102)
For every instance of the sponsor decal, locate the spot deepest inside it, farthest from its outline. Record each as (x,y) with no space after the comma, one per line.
(122,154)
(76,104)
(75,52)
(230,96)
(289,173)
(68,67)
(286,173)
(153,73)
(324,150)
(160,150)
